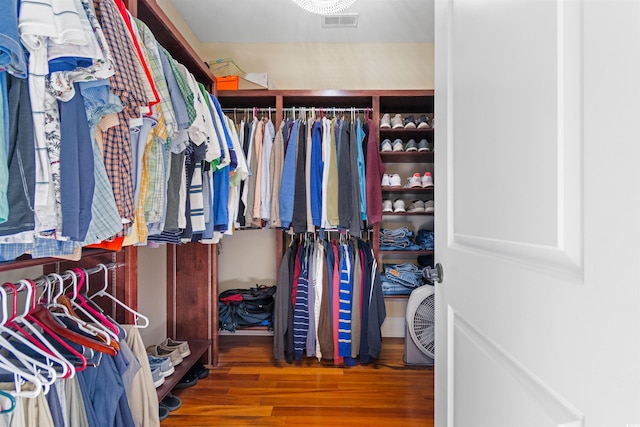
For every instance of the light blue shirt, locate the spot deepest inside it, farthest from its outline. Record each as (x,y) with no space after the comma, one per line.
(288,183)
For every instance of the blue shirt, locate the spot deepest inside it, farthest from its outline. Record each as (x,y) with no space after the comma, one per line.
(288,182)
(315,181)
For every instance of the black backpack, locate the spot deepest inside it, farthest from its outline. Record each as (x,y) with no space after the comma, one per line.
(241,308)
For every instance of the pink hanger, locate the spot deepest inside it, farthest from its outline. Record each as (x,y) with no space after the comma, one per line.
(29,316)
(77,296)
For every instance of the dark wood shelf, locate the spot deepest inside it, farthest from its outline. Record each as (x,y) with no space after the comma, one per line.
(167,34)
(402,190)
(383,252)
(408,213)
(25,261)
(404,157)
(198,348)
(398,131)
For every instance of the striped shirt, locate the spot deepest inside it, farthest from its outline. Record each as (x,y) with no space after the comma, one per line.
(344,303)
(301,308)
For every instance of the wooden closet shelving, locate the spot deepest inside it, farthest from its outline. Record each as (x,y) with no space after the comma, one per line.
(380,101)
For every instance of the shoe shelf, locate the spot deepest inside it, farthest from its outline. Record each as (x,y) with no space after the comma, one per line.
(198,348)
(421,252)
(404,157)
(396,296)
(401,190)
(408,213)
(413,131)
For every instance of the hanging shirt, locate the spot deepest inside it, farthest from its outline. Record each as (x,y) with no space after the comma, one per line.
(265,180)
(301,307)
(288,183)
(12,54)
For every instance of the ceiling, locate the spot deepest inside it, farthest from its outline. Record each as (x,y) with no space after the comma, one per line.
(281,21)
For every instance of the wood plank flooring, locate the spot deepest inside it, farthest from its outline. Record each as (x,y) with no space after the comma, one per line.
(250,388)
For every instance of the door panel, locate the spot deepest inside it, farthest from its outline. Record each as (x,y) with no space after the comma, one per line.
(510,194)
(537,213)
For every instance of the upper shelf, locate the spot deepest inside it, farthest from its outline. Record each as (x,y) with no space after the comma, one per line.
(419,100)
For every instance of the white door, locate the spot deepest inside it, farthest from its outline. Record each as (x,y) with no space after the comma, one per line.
(538,213)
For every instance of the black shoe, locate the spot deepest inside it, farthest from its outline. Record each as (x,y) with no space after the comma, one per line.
(199,370)
(189,380)
(164,412)
(171,402)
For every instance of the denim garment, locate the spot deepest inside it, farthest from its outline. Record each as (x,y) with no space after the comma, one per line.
(425,239)
(396,239)
(402,246)
(398,232)
(391,288)
(12,53)
(98,100)
(406,274)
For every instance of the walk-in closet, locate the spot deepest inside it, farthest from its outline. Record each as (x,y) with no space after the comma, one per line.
(319,212)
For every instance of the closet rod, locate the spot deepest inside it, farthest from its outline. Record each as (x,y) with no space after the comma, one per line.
(341,109)
(40,281)
(242,110)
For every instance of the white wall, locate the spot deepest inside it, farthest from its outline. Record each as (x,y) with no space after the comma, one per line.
(152,292)
(341,66)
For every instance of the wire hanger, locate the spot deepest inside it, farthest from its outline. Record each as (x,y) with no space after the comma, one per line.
(20,377)
(95,316)
(97,340)
(101,292)
(12,402)
(36,366)
(17,321)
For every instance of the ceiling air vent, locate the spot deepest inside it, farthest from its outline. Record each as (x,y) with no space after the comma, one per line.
(344,20)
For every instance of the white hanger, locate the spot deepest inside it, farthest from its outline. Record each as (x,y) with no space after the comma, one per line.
(95,322)
(22,339)
(102,292)
(20,377)
(68,369)
(32,366)
(82,325)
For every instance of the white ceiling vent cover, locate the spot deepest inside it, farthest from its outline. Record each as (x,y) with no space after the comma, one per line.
(343,20)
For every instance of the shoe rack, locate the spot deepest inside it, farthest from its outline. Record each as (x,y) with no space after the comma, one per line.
(406,164)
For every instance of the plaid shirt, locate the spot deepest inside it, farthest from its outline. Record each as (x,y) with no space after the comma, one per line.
(125,83)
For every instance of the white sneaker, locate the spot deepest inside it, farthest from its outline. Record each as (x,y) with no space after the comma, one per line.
(385,122)
(413,181)
(398,206)
(395,180)
(387,206)
(416,206)
(428,206)
(385,146)
(385,181)
(398,145)
(426,181)
(397,122)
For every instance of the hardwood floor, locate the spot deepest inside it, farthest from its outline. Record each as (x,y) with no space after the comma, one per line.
(249,388)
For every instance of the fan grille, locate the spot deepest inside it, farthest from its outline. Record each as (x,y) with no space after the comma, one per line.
(424,325)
